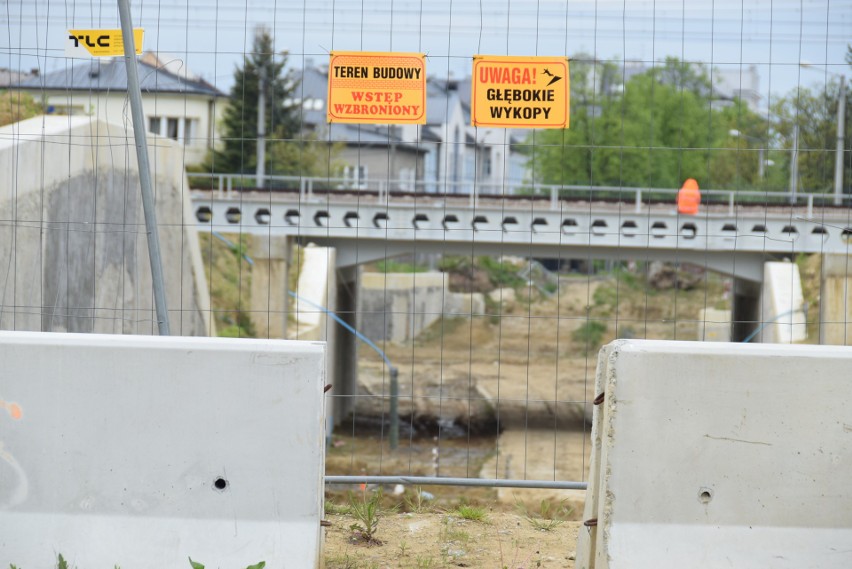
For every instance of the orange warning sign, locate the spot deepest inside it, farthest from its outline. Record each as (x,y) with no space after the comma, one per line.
(520,92)
(375,87)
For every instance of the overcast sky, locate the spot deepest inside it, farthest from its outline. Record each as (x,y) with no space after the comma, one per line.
(212,35)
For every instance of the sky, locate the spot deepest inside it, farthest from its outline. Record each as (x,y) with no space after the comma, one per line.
(212,36)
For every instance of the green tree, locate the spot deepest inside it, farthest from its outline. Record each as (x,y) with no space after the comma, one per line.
(656,130)
(238,152)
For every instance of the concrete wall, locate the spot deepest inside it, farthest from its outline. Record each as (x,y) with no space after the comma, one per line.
(137,451)
(398,306)
(73,248)
(720,455)
(836,300)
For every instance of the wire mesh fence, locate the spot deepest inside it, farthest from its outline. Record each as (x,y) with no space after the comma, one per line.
(463,276)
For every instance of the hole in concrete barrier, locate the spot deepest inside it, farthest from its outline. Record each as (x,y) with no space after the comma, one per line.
(758,228)
(321,218)
(351,218)
(380,220)
(262,216)
(537,223)
(508,222)
(629,228)
(204,214)
(292,216)
(658,229)
(220,483)
(599,227)
(790,231)
(420,221)
(479,220)
(688,230)
(233,215)
(705,495)
(450,221)
(569,226)
(729,228)
(846,235)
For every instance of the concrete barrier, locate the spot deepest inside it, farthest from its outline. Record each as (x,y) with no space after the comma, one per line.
(143,451)
(720,455)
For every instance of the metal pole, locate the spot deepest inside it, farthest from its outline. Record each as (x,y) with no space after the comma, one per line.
(135,95)
(261,128)
(841,127)
(794,165)
(394,408)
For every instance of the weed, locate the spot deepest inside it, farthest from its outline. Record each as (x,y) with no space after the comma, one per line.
(590,334)
(417,503)
(473,513)
(60,562)
(332,508)
(350,562)
(403,547)
(425,562)
(548,517)
(366,513)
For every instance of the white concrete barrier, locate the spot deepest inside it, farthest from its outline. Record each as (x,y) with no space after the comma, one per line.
(720,455)
(143,451)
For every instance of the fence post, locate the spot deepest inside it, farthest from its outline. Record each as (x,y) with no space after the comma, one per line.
(394,408)
(148,204)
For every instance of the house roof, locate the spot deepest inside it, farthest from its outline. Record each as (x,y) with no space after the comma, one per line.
(111,75)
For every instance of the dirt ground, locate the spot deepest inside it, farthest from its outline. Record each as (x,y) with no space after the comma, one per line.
(446,540)
(509,390)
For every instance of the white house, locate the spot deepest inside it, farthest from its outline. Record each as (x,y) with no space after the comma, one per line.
(179,106)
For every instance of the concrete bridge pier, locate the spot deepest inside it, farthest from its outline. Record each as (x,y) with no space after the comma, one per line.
(269,274)
(835,306)
(345,356)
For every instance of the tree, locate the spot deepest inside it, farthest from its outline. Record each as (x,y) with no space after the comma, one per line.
(238,152)
(656,130)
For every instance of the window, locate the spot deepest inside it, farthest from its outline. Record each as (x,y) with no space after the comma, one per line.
(172,128)
(154,125)
(355,176)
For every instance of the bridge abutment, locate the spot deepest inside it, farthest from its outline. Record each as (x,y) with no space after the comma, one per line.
(835,307)
(269,300)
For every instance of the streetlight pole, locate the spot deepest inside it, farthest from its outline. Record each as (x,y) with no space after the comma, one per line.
(841,128)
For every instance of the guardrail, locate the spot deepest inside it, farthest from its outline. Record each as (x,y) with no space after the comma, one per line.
(309,188)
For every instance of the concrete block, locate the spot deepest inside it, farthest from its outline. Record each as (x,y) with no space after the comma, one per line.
(714,325)
(142,451)
(783,305)
(720,455)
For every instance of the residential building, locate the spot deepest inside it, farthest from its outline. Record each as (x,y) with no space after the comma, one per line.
(176,105)
(446,155)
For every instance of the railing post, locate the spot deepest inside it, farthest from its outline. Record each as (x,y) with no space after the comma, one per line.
(394,408)
(731,203)
(810,205)
(638,200)
(554,192)
(230,186)
(221,184)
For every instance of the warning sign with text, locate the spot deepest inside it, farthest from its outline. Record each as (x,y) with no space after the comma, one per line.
(520,92)
(100,43)
(370,87)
